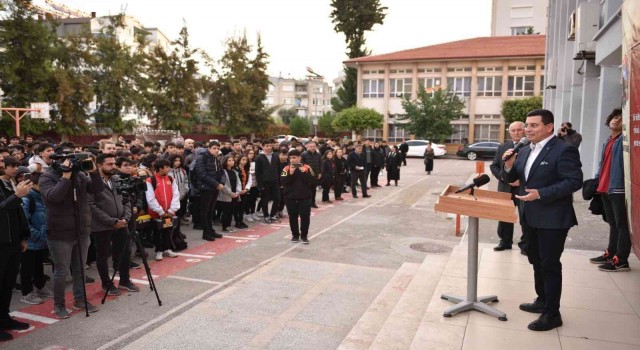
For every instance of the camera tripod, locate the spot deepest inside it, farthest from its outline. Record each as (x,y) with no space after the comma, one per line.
(136,238)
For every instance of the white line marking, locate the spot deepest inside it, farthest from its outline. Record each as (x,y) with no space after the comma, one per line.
(31,317)
(193,279)
(135,280)
(194,255)
(242,238)
(240,275)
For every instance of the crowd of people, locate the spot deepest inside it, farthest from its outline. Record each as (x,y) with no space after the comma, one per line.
(76,206)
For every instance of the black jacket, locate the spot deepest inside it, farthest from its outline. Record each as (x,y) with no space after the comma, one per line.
(267,171)
(57,194)
(403,148)
(377,155)
(107,207)
(208,171)
(299,185)
(328,172)
(356,160)
(313,160)
(497,165)
(14,226)
(341,166)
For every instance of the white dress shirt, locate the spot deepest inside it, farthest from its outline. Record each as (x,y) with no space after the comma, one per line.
(535,151)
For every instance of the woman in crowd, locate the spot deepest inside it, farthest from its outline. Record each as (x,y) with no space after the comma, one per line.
(429,155)
(245,181)
(229,196)
(393,166)
(340,169)
(377,162)
(179,175)
(250,203)
(328,175)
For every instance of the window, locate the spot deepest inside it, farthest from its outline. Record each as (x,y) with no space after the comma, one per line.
(520,30)
(373,88)
(489,86)
(520,86)
(489,69)
(301,88)
(522,12)
(486,133)
(400,87)
(429,70)
(541,85)
(488,116)
(523,68)
(460,134)
(396,133)
(317,90)
(373,134)
(460,86)
(430,83)
(288,87)
(287,101)
(459,69)
(375,71)
(401,71)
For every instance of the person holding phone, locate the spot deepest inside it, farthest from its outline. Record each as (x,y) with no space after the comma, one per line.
(299,180)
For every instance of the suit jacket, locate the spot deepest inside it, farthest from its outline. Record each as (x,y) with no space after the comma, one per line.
(498,164)
(556,173)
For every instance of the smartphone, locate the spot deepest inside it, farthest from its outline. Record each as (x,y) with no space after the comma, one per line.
(296,165)
(26,177)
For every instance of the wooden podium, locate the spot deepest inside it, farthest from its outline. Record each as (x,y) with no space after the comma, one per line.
(475,204)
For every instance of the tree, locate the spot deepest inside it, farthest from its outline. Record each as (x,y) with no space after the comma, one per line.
(430,115)
(357,120)
(259,117)
(516,110)
(325,124)
(28,50)
(286,114)
(354,18)
(300,126)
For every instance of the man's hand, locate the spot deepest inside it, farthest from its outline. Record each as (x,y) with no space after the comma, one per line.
(121,223)
(304,169)
(291,170)
(67,165)
(515,183)
(93,167)
(319,175)
(508,164)
(134,210)
(532,195)
(23,246)
(23,188)
(220,187)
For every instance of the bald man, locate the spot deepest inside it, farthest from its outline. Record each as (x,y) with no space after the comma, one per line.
(505,229)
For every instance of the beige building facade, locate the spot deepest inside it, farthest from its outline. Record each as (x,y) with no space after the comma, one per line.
(515,17)
(482,71)
(311,97)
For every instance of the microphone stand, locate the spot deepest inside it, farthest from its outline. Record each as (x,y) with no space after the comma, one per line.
(74,185)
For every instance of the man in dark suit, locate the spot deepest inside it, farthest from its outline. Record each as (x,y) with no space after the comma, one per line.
(357,163)
(549,172)
(505,229)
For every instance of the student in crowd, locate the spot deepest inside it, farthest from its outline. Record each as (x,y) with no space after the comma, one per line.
(252,197)
(245,180)
(163,198)
(429,156)
(394,161)
(267,175)
(229,196)
(340,170)
(328,175)
(377,162)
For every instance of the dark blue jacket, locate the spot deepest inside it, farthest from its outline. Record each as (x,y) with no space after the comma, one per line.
(556,174)
(208,171)
(37,220)
(356,160)
(616,174)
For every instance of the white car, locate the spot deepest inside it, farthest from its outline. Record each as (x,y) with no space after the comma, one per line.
(281,138)
(417,147)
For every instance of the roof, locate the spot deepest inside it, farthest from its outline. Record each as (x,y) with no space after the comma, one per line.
(476,48)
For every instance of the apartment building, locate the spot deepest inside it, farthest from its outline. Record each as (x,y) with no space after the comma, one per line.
(482,71)
(518,17)
(311,97)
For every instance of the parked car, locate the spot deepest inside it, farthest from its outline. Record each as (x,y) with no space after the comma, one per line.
(479,150)
(417,147)
(281,138)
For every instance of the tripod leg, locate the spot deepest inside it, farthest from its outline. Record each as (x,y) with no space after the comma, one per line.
(147,269)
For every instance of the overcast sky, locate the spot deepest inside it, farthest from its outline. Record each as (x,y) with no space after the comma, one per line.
(299,33)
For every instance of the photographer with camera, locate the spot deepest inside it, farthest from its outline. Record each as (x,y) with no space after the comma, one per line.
(110,215)
(163,198)
(568,135)
(65,187)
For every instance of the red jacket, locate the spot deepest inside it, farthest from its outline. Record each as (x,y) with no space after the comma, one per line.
(164,198)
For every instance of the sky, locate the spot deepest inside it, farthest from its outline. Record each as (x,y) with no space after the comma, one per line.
(299,33)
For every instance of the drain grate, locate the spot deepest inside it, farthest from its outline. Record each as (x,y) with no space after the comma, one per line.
(429,247)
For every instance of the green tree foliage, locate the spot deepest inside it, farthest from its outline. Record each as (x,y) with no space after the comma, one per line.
(354,18)
(325,124)
(28,50)
(516,110)
(357,120)
(429,116)
(259,117)
(286,114)
(300,127)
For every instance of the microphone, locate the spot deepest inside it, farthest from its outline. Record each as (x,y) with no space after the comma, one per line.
(523,142)
(477,182)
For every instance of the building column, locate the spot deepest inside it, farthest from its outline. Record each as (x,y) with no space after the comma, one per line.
(385,106)
(472,101)
(589,121)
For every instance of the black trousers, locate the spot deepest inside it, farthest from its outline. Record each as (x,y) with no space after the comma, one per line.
(271,192)
(110,244)
(355,176)
(545,248)
(367,172)
(227,209)
(314,189)
(250,202)
(9,267)
(281,203)
(32,269)
(162,238)
(337,188)
(505,232)
(302,209)
(326,189)
(208,201)
(195,210)
(616,214)
(375,172)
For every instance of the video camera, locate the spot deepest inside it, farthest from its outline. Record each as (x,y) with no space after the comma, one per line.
(79,162)
(130,185)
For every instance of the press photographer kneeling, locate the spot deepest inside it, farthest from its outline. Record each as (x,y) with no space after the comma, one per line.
(110,215)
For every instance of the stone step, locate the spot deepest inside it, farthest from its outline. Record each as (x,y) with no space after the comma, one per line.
(400,328)
(366,329)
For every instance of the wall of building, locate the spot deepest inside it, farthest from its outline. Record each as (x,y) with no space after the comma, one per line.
(511,16)
(311,97)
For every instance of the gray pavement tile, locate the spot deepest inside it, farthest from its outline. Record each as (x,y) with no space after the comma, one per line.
(372,279)
(263,297)
(297,339)
(337,308)
(301,269)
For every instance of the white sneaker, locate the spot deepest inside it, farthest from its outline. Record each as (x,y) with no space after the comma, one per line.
(158,256)
(259,214)
(169,253)
(255,217)
(44,293)
(32,298)
(248,218)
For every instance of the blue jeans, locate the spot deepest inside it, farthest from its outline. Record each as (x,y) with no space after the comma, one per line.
(65,256)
